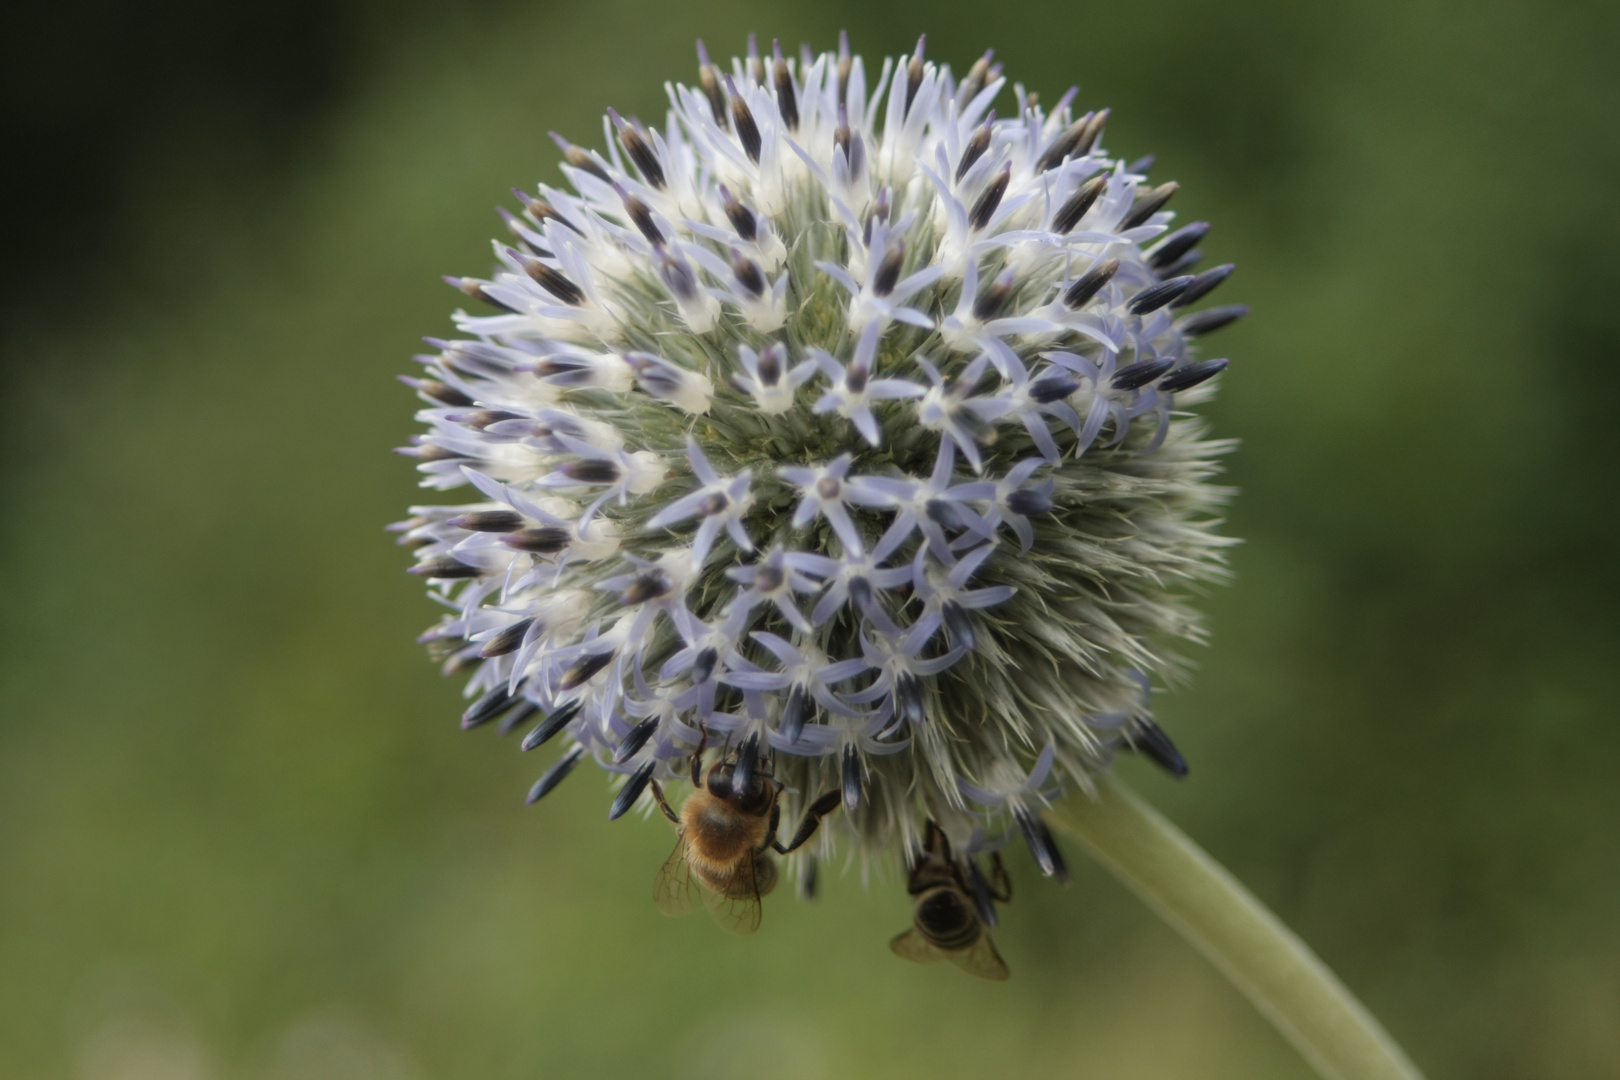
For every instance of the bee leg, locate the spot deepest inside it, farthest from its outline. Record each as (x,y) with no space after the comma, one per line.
(697,756)
(770,830)
(663,803)
(1002,891)
(812,818)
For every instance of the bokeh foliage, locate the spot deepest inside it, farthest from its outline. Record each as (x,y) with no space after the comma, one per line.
(240,834)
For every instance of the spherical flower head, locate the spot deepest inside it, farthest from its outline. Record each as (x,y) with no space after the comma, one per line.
(835,429)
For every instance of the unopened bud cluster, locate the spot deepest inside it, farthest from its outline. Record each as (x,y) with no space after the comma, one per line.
(842,417)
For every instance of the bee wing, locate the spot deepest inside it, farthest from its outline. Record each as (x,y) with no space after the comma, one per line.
(911,946)
(981,959)
(673,890)
(737,908)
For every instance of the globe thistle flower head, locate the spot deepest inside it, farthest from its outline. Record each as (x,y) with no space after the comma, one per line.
(837,428)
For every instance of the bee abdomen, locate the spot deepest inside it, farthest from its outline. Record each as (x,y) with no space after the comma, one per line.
(945,920)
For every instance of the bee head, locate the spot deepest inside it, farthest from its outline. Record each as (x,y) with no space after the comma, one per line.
(740,781)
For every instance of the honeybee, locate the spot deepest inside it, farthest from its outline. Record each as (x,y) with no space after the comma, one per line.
(952,919)
(727,830)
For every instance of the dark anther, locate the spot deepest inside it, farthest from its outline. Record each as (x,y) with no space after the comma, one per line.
(1183,265)
(743,120)
(644,587)
(487,707)
(519,715)
(640,216)
(1093,132)
(541,210)
(1203,285)
(445,568)
(992,300)
(483,418)
(855,378)
(1157,296)
(849,143)
(1090,283)
(555,721)
(495,521)
(1148,738)
(580,160)
(879,212)
(590,471)
(703,666)
(743,774)
(582,671)
(550,280)
(1207,322)
(1190,376)
(767,579)
(709,79)
(845,64)
(1070,213)
(507,640)
(1064,144)
(640,150)
(1148,205)
(795,711)
(975,80)
(756,69)
(742,219)
(713,503)
(770,364)
(908,698)
(984,207)
(787,102)
(634,740)
(957,624)
(1141,165)
(1178,244)
(981,894)
(1137,375)
(1027,501)
(428,452)
(977,144)
(545,540)
(828,488)
(1041,844)
(749,275)
(851,777)
(554,775)
(676,275)
(807,878)
(438,391)
(475,289)
(887,274)
(631,791)
(1050,388)
(914,73)
(860,593)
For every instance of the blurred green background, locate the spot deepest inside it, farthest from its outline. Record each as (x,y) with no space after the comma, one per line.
(240,832)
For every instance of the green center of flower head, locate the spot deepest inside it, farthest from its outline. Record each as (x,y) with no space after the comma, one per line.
(834,435)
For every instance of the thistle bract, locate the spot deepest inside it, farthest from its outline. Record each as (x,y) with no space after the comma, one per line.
(841,417)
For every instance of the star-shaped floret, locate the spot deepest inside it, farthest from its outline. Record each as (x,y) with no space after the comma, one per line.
(721,501)
(932,506)
(824,491)
(854,390)
(769,379)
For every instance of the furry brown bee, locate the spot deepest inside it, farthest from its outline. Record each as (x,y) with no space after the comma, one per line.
(727,831)
(952,919)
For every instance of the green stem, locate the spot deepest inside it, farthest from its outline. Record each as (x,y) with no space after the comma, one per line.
(1235,932)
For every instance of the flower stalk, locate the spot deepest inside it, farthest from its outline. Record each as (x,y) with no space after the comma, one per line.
(1273,968)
